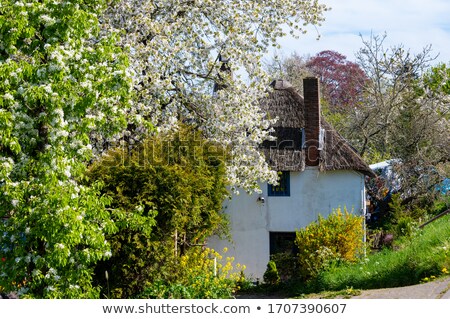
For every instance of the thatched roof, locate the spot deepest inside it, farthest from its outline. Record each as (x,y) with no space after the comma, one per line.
(286,153)
(338,154)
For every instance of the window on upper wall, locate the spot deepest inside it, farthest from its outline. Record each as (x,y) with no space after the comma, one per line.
(283,188)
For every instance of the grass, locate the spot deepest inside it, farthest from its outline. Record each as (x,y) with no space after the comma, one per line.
(424,255)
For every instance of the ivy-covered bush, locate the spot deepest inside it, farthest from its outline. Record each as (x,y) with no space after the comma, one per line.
(339,237)
(167,198)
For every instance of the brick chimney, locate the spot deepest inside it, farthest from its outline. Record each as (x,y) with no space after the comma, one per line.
(312,120)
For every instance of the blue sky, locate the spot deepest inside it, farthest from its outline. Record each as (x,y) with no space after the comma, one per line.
(413,23)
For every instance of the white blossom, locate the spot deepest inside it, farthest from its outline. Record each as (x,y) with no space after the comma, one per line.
(67,172)
(8,96)
(174,63)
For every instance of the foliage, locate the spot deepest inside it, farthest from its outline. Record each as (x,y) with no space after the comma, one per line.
(167,197)
(424,255)
(291,68)
(181,50)
(417,259)
(271,275)
(437,80)
(327,241)
(287,265)
(403,116)
(62,83)
(342,81)
(201,274)
(401,221)
(441,204)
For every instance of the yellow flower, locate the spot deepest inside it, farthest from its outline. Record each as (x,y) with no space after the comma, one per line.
(444,270)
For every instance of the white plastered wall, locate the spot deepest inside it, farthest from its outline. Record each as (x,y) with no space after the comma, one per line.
(311,193)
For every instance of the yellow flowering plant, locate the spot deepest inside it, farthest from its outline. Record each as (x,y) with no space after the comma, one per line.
(339,237)
(201,274)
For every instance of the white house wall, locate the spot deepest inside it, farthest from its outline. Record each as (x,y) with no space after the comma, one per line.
(311,193)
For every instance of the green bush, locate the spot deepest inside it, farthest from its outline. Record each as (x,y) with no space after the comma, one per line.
(405,226)
(322,244)
(287,265)
(271,275)
(403,220)
(167,197)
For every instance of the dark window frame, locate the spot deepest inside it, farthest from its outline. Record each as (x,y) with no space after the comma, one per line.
(282,242)
(284,186)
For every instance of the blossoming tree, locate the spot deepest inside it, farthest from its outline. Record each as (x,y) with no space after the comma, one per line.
(182,49)
(65,86)
(60,83)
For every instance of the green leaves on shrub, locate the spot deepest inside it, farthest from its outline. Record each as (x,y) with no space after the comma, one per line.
(167,197)
(271,275)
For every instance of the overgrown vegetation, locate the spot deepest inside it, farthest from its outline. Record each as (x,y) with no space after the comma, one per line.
(423,255)
(415,256)
(167,199)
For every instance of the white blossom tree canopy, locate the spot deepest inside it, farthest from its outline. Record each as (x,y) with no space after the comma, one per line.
(177,50)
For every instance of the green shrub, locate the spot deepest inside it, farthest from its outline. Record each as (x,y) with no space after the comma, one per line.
(167,197)
(405,226)
(322,244)
(271,275)
(403,220)
(287,265)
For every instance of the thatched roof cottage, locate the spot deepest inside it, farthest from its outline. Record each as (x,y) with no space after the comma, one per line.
(319,171)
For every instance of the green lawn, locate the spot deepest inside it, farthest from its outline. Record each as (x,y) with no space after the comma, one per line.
(420,258)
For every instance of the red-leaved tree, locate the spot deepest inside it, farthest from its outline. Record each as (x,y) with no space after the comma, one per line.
(342,80)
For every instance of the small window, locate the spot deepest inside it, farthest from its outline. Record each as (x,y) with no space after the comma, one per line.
(282,242)
(283,187)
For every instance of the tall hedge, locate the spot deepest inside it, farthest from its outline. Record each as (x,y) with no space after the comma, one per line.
(167,197)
